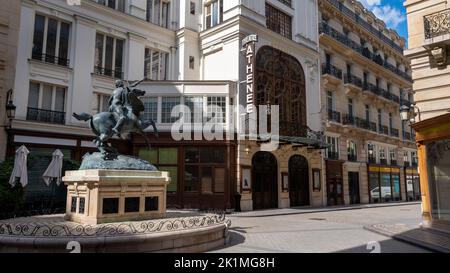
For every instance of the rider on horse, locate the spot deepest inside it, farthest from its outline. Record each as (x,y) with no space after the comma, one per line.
(124,104)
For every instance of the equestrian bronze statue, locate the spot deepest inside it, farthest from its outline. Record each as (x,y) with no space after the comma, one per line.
(123,117)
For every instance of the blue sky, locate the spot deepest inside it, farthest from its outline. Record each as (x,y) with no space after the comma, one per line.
(390,11)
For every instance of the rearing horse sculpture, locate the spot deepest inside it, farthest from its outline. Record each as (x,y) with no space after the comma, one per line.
(123,117)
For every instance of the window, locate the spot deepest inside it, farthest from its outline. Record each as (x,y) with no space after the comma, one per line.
(333,151)
(286,2)
(382,155)
(367,112)
(166,160)
(205,170)
(350,108)
(158,12)
(393,157)
(102,103)
(108,56)
(156,65)
(380,118)
(216,109)
(351,150)
(46,103)
(168,103)
(414,158)
(195,105)
(278,21)
(151,108)
(192,8)
(51,41)
(371,153)
(330,101)
(114,4)
(191,62)
(391,121)
(213,13)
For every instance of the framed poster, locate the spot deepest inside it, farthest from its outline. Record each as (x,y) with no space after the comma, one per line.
(317,185)
(285,182)
(246,179)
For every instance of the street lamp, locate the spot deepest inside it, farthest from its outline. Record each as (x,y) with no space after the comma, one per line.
(10,107)
(404,112)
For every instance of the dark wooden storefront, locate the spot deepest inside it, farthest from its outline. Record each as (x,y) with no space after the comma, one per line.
(335,187)
(208,183)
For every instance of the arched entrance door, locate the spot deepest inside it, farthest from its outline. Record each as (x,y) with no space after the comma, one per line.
(265,181)
(298,181)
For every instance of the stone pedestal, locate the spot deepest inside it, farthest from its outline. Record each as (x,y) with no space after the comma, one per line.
(105,196)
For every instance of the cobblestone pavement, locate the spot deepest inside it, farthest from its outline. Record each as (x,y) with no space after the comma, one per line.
(322,232)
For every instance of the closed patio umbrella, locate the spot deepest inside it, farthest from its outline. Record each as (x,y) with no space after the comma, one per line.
(20,167)
(54,169)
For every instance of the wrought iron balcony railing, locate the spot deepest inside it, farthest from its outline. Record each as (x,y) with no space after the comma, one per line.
(406,164)
(352,79)
(46,116)
(383,161)
(394,163)
(359,21)
(108,72)
(331,70)
(50,59)
(372,160)
(383,130)
(352,157)
(364,51)
(437,24)
(333,155)
(334,116)
(394,132)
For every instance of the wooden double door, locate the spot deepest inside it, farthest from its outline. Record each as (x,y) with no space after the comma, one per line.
(298,181)
(265,181)
(335,187)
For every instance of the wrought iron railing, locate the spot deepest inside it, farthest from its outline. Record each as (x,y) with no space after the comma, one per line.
(331,70)
(383,130)
(352,157)
(406,164)
(332,155)
(334,116)
(47,116)
(364,51)
(352,79)
(50,59)
(108,72)
(383,161)
(359,21)
(394,163)
(372,160)
(394,132)
(437,24)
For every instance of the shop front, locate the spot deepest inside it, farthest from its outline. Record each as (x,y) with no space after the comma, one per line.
(384,184)
(412,181)
(433,140)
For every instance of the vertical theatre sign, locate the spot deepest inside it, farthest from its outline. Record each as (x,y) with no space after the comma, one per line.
(249,47)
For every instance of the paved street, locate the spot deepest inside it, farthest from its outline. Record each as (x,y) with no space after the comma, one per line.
(330,231)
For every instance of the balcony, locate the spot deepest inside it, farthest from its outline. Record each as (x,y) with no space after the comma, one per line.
(359,21)
(332,73)
(359,123)
(353,84)
(394,132)
(383,161)
(407,164)
(324,28)
(437,24)
(333,155)
(384,130)
(394,163)
(50,59)
(108,72)
(372,160)
(46,116)
(352,157)
(407,136)
(334,116)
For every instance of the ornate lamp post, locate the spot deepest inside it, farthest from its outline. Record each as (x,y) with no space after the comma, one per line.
(10,107)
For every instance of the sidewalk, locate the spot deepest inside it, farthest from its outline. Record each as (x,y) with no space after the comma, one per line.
(304,210)
(427,238)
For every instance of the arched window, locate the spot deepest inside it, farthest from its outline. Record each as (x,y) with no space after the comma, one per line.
(280,80)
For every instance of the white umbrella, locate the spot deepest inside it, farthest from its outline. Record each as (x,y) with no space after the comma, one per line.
(54,169)
(20,167)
